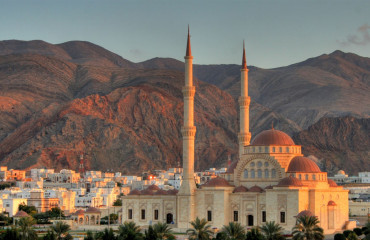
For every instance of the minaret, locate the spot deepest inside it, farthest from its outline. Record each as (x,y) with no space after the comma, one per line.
(244,101)
(186,193)
(82,167)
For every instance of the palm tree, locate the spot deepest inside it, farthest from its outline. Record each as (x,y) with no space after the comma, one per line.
(107,234)
(163,231)
(307,228)
(234,231)
(11,234)
(61,230)
(150,234)
(26,231)
(129,231)
(254,234)
(272,231)
(200,230)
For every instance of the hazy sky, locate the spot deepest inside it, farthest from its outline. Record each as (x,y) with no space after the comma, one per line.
(277,32)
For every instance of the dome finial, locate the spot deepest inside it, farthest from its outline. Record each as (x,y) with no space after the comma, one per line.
(244,61)
(188,46)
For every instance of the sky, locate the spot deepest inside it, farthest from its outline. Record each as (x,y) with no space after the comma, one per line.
(276,32)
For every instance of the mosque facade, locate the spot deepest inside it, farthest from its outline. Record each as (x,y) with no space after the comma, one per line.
(271,180)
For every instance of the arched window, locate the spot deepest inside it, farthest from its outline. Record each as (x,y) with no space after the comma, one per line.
(280,149)
(260,149)
(313,177)
(306,177)
(259,171)
(266,173)
(254,150)
(259,164)
(287,149)
(267,149)
(253,174)
(245,173)
(266,164)
(252,164)
(273,149)
(300,177)
(273,173)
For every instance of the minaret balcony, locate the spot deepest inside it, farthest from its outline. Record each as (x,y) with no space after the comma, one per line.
(244,101)
(188,91)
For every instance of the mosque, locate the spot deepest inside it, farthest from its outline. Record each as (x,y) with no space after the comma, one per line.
(271,181)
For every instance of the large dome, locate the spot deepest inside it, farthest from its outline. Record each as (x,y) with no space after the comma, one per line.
(273,137)
(303,164)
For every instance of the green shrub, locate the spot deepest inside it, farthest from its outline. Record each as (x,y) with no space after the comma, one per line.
(347,232)
(358,231)
(339,236)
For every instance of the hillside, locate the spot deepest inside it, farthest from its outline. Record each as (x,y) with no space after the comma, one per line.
(57,101)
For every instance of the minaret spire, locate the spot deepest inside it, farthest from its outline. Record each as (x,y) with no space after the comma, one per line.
(186,195)
(244,101)
(188,46)
(244,61)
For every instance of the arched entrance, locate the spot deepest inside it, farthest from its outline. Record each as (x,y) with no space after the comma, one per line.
(250,220)
(331,214)
(169,218)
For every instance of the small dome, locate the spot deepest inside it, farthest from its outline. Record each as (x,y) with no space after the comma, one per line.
(290,181)
(217,182)
(341,172)
(92,210)
(306,213)
(232,167)
(303,164)
(21,214)
(332,203)
(153,187)
(147,192)
(332,183)
(273,137)
(256,188)
(161,192)
(79,212)
(172,192)
(269,187)
(240,189)
(134,192)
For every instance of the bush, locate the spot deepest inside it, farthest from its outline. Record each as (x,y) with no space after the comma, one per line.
(358,231)
(339,236)
(346,233)
(352,236)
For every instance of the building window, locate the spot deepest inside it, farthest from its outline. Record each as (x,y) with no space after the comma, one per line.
(280,149)
(260,149)
(263,216)
(267,149)
(129,214)
(273,173)
(209,216)
(259,164)
(259,172)
(266,173)
(252,164)
(287,149)
(253,175)
(313,177)
(236,217)
(282,217)
(273,149)
(300,177)
(142,214)
(156,214)
(245,173)
(266,164)
(306,176)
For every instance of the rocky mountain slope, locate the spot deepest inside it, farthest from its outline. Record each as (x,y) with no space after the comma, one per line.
(57,101)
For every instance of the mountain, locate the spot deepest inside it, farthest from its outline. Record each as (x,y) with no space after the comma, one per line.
(338,143)
(57,101)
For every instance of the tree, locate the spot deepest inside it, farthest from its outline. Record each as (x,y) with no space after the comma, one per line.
(339,236)
(346,233)
(50,235)
(26,231)
(150,234)
(11,234)
(118,202)
(163,231)
(358,231)
(5,220)
(31,210)
(254,234)
(352,236)
(89,236)
(272,231)
(61,230)
(200,230)
(129,231)
(107,234)
(307,228)
(234,231)
(55,212)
